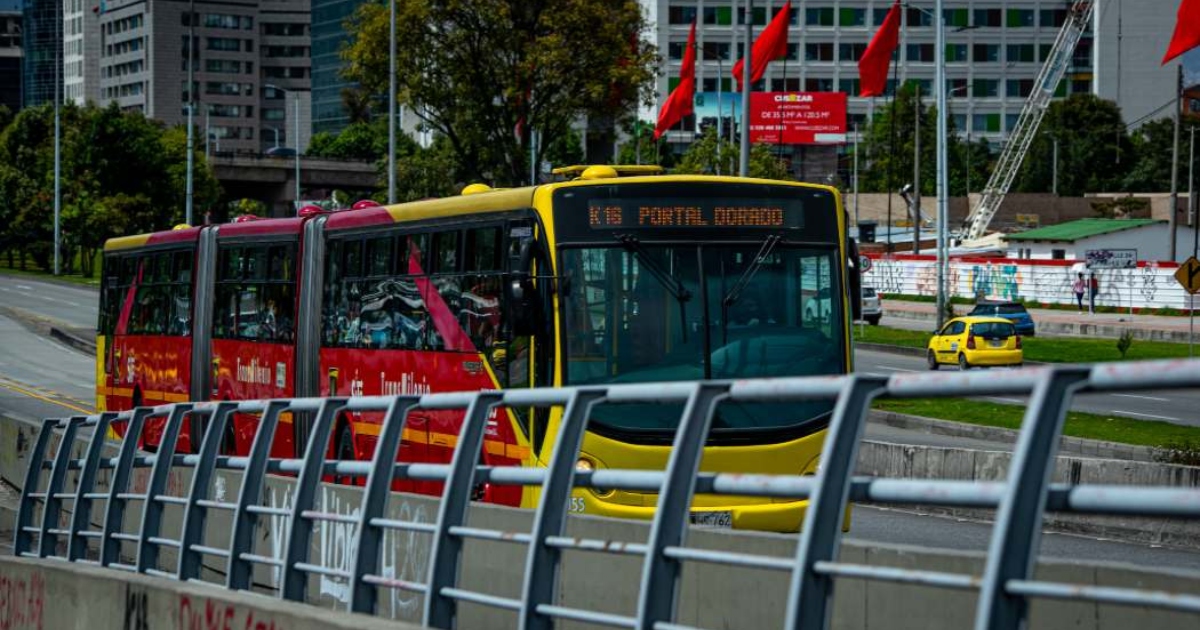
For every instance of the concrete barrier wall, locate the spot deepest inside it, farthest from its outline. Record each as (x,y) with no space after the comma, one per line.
(881,459)
(55,596)
(710,596)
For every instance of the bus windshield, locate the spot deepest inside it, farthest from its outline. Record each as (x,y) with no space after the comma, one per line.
(668,312)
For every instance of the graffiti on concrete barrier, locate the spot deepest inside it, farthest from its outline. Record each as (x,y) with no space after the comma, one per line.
(404,555)
(137,609)
(201,613)
(22,601)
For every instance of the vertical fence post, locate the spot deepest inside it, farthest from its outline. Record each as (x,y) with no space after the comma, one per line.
(366,560)
(52,508)
(300,529)
(23,540)
(810,597)
(152,508)
(660,574)
(1016,536)
(440,610)
(245,523)
(541,565)
(195,516)
(114,514)
(82,514)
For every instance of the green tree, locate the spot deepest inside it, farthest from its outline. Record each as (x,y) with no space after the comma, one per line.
(640,147)
(1094,151)
(121,173)
(970,165)
(484,74)
(1152,144)
(358,141)
(702,157)
(885,147)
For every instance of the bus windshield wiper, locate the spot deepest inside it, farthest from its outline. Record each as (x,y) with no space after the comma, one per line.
(664,277)
(735,291)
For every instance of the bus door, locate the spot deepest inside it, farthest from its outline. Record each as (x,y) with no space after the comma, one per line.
(254,335)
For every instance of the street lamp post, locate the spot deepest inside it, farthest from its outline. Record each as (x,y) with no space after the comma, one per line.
(295,132)
(747,66)
(391,111)
(58,64)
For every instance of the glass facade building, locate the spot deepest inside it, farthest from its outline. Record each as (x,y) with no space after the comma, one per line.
(328,34)
(42,43)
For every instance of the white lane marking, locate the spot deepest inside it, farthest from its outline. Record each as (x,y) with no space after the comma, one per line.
(1010,401)
(25,287)
(1144,415)
(1143,397)
(896,369)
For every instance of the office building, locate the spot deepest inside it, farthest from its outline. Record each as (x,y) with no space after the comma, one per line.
(41,41)
(994,51)
(10,54)
(328,36)
(250,62)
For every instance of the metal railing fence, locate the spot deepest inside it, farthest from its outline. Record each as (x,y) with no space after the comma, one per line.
(1005,587)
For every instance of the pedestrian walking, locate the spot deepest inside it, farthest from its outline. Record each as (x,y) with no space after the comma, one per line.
(1079,287)
(1095,290)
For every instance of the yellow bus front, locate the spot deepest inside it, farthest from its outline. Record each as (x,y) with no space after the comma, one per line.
(688,278)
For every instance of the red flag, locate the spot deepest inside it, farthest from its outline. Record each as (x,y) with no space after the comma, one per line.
(679,103)
(1187,30)
(873,66)
(770,45)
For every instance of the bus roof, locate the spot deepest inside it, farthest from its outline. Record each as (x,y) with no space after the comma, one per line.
(184,235)
(259,227)
(496,200)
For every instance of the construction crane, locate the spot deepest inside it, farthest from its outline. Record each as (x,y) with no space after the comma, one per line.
(1019,139)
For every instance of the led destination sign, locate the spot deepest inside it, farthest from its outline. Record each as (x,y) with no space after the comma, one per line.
(635,213)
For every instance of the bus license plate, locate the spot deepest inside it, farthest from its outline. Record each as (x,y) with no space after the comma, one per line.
(713,519)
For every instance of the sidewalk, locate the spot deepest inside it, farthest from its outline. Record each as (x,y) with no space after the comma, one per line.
(1065,322)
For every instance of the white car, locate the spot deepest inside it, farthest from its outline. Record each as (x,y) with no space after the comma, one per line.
(872,305)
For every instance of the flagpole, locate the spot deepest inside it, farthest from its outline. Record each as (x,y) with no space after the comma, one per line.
(779,142)
(747,85)
(892,145)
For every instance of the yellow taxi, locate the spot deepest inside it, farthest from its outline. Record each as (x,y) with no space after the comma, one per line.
(972,341)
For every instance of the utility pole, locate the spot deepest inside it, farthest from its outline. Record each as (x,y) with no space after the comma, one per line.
(296,143)
(1192,181)
(58,64)
(747,71)
(1174,223)
(916,203)
(191,94)
(855,178)
(391,112)
(1055,167)
(943,164)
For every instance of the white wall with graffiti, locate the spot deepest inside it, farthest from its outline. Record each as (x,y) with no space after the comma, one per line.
(1150,285)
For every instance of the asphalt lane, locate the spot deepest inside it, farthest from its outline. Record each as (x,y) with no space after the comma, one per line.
(69,305)
(40,378)
(902,527)
(1176,406)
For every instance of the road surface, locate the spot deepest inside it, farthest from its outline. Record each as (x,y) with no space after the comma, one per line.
(42,378)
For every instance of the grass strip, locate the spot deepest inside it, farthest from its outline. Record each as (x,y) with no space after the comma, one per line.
(1109,428)
(45,275)
(1044,349)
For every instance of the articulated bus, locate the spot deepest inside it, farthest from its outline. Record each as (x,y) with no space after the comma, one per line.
(617,275)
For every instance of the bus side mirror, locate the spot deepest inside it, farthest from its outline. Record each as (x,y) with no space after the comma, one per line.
(524,311)
(854,275)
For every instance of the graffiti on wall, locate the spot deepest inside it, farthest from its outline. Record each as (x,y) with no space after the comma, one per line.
(1148,286)
(202,613)
(405,555)
(22,601)
(995,281)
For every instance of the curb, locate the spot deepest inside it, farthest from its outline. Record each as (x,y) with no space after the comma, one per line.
(1112,330)
(1066,445)
(78,343)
